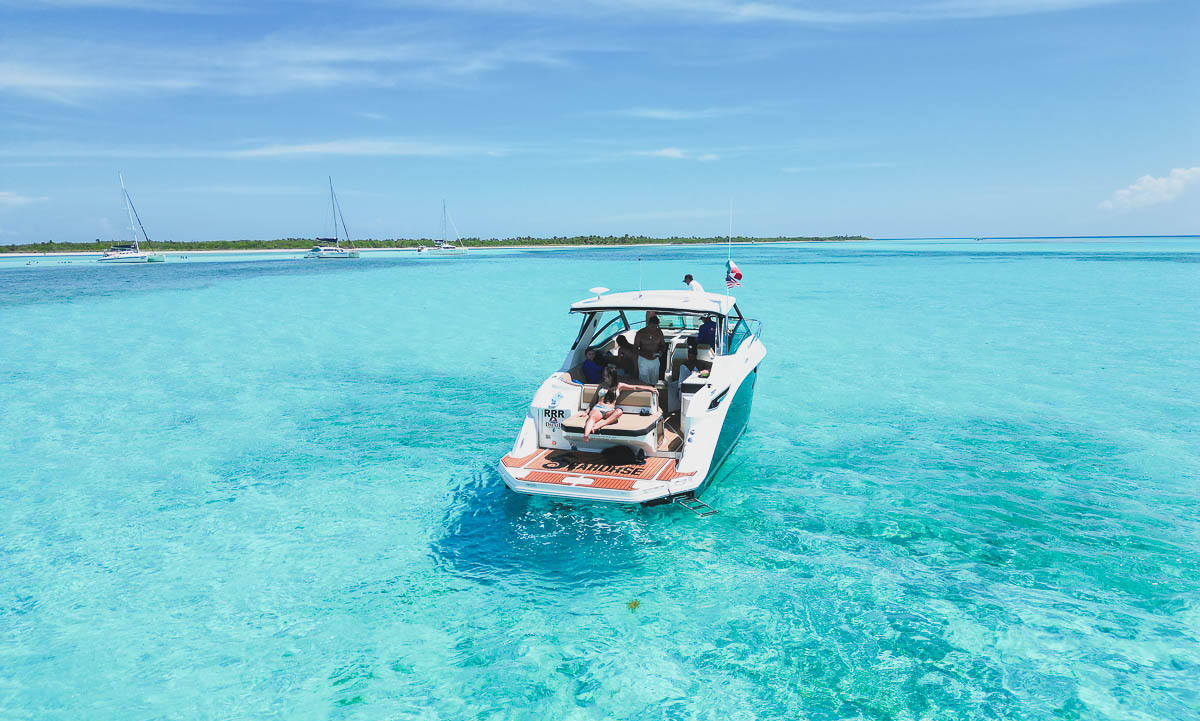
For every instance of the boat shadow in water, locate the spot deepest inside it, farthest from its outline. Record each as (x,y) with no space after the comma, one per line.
(493,534)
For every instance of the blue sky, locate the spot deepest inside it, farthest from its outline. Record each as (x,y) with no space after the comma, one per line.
(900,118)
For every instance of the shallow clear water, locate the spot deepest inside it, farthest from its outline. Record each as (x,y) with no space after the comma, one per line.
(264,488)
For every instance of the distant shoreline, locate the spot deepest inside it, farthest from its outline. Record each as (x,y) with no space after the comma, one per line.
(180,248)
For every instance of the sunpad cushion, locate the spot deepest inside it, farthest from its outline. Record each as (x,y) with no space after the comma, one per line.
(629,424)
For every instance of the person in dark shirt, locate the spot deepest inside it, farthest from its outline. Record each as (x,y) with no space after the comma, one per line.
(593,372)
(706,334)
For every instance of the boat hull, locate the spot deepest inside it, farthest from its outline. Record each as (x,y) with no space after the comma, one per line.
(737,418)
(331,254)
(129,258)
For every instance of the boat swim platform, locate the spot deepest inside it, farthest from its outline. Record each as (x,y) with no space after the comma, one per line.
(582,469)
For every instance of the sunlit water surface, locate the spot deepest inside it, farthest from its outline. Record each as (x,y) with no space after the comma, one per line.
(263,488)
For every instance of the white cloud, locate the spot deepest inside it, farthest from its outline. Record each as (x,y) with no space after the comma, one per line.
(9,199)
(1149,190)
(677,154)
(676,114)
(365,146)
(69,85)
(815,12)
(159,6)
(346,147)
(835,166)
(237,189)
(71,70)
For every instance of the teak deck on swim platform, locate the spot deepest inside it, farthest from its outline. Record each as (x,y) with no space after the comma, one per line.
(569,468)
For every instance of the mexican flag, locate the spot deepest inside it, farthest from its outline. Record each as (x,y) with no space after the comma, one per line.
(733,276)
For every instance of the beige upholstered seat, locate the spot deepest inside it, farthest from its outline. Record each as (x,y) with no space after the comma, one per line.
(631,423)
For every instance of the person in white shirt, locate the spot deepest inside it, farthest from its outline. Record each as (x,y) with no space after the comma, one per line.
(692,284)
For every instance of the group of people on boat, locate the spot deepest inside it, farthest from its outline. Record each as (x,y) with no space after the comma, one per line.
(640,359)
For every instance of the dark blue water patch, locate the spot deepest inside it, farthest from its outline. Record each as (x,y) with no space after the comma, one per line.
(493,535)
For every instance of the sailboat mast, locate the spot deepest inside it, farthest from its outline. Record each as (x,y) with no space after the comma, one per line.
(447,217)
(129,212)
(443,221)
(333,211)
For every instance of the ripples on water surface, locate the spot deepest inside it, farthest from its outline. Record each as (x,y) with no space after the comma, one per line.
(263,488)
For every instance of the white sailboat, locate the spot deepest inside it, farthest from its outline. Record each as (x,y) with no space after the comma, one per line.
(444,247)
(131,252)
(323,249)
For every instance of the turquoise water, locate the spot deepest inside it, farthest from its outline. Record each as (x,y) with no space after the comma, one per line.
(263,488)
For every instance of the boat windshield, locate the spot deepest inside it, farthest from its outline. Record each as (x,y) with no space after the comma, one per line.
(677,321)
(599,328)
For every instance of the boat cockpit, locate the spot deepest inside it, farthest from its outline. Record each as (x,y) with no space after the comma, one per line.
(693,341)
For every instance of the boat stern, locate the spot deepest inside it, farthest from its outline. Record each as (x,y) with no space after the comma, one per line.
(588,476)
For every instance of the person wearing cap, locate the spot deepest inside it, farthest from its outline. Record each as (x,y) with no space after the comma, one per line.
(691,283)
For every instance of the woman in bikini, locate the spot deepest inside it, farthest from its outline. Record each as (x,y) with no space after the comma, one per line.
(603,411)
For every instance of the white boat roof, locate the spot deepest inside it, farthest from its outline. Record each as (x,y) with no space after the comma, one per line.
(681,301)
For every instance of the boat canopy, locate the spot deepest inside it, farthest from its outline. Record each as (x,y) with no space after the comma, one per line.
(668,301)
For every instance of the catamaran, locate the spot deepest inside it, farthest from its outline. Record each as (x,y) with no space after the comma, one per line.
(444,247)
(332,247)
(668,443)
(130,252)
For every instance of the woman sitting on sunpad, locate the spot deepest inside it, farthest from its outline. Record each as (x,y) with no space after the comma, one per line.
(603,411)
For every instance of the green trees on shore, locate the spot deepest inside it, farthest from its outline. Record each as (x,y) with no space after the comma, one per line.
(305,243)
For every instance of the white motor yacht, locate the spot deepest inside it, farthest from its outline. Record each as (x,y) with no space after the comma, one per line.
(678,436)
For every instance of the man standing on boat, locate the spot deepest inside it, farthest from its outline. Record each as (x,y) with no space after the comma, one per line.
(648,342)
(692,284)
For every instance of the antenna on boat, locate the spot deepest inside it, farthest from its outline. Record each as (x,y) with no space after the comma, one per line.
(729,245)
(639,275)
(598,290)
